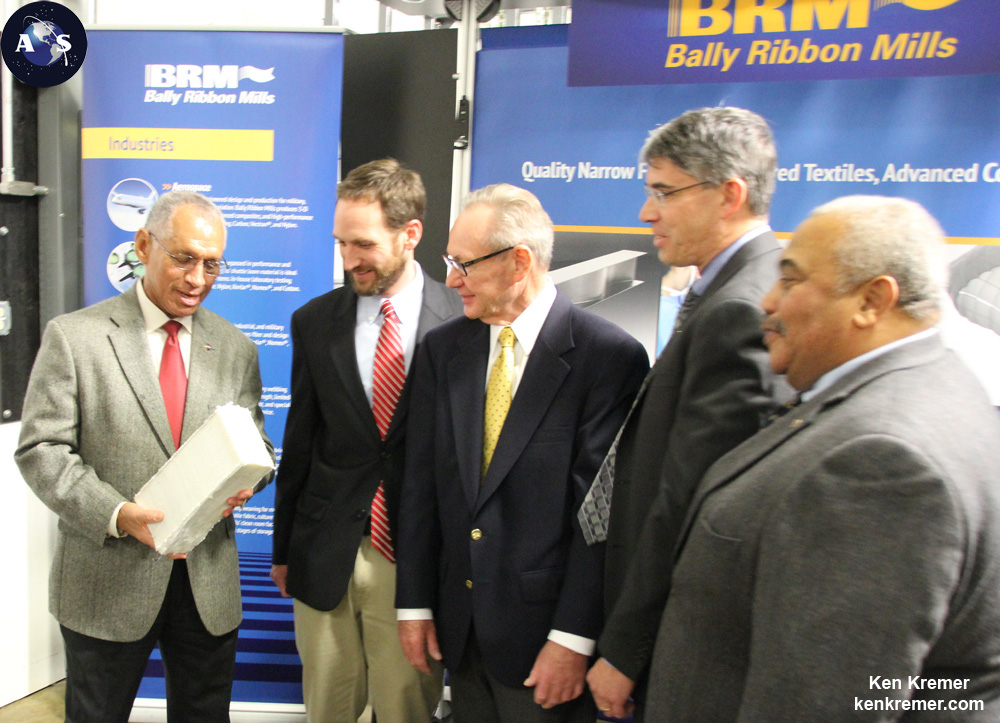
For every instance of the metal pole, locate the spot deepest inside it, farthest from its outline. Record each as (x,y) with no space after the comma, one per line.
(465,76)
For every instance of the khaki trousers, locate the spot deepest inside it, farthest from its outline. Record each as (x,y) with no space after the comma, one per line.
(353,652)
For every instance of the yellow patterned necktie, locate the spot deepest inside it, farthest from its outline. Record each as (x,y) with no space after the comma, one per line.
(498,395)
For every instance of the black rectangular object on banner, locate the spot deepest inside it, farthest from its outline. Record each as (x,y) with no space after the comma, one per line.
(399,101)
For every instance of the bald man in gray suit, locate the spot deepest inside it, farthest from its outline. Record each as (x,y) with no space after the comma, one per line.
(95,429)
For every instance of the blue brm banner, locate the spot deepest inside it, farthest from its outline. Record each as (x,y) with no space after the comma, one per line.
(935,140)
(251,120)
(639,42)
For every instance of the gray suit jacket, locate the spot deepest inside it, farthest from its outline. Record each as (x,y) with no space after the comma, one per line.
(711,388)
(852,544)
(94,431)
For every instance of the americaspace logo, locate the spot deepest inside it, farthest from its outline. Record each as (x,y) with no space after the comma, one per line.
(43,44)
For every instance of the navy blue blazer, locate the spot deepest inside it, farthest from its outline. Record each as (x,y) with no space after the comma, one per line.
(508,555)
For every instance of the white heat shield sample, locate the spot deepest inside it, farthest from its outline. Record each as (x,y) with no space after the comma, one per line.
(224,456)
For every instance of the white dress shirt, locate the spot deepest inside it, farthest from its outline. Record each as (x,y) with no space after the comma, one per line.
(156,336)
(526,328)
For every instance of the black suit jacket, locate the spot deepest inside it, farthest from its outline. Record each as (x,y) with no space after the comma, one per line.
(711,388)
(333,457)
(508,556)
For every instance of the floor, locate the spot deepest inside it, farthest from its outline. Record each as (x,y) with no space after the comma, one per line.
(45,706)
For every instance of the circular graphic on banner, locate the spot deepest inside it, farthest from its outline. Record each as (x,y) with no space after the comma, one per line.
(129,203)
(124,266)
(43,44)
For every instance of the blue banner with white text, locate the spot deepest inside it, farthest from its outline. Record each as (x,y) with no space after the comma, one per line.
(251,120)
(935,140)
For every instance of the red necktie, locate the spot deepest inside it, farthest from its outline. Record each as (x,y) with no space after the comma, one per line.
(388,379)
(173,380)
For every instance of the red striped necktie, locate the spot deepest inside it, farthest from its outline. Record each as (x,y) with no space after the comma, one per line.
(387,383)
(173,380)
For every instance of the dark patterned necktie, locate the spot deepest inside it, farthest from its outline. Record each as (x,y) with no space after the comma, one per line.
(685,311)
(595,512)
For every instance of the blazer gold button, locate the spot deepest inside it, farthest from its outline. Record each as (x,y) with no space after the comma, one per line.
(468,584)
(476,534)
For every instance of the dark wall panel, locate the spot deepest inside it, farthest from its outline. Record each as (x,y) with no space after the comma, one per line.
(399,101)
(19,259)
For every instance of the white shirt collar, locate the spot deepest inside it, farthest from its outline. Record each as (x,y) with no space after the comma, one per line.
(528,325)
(153,316)
(834,375)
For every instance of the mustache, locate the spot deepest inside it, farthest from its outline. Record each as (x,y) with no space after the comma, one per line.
(772,324)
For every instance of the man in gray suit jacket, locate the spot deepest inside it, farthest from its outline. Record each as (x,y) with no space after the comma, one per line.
(341,452)
(709,185)
(844,563)
(96,427)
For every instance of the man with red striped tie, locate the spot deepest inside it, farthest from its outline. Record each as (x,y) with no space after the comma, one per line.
(337,499)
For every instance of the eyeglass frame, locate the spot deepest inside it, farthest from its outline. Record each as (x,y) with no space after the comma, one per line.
(462,267)
(661,196)
(192,262)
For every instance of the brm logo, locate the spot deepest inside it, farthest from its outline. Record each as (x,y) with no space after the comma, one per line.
(204,76)
(745,17)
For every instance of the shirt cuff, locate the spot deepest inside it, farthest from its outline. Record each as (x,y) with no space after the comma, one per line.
(113,524)
(414,614)
(576,643)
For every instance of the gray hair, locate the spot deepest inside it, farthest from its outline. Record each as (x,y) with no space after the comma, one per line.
(883,236)
(160,220)
(518,218)
(716,144)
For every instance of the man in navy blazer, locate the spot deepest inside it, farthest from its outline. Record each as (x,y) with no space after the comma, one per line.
(335,457)
(844,563)
(498,556)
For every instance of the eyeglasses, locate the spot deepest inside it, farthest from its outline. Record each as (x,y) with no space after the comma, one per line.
(186,262)
(462,267)
(661,196)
